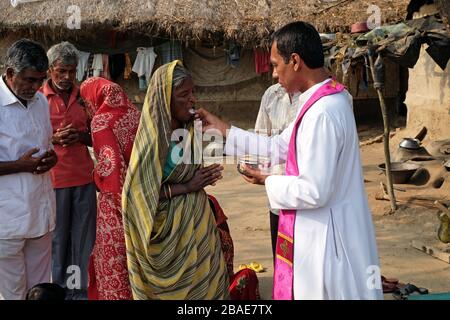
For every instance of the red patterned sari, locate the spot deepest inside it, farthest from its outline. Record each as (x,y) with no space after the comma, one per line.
(114,124)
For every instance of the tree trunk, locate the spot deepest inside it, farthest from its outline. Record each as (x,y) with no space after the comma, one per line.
(386,125)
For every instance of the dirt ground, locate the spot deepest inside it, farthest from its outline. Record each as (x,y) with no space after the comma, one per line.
(246,207)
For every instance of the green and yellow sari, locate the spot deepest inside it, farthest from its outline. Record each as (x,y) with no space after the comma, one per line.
(173,246)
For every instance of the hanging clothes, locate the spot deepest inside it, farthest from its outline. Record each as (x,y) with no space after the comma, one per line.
(116,65)
(113,38)
(143,84)
(262,60)
(234,54)
(128,67)
(105,72)
(170,51)
(144,63)
(82,67)
(97,65)
(90,70)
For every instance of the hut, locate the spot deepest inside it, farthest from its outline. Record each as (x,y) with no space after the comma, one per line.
(428,96)
(206,31)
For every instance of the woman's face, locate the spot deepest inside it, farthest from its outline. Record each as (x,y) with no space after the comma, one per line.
(183,101)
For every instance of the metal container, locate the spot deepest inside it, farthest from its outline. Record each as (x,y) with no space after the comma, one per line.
(447,165)
(253,161)
(410,143)
(422,158)
(401,171)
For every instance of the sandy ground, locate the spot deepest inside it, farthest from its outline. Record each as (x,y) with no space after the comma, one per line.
(246,207)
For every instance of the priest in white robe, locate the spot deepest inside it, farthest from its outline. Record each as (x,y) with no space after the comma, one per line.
(334,247)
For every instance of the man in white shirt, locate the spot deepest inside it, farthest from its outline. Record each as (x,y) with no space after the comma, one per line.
(277,110)
(331,251)
(27,200)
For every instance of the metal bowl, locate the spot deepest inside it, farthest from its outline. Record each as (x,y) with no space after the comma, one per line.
(422,158)
(410,143)
(401,171)
(447,165)
(253,161)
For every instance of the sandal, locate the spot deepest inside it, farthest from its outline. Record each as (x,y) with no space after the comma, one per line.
(402,293)
(389,285)
(255,266)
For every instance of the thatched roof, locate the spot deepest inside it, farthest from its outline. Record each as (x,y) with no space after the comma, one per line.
(247,21)
(444,9)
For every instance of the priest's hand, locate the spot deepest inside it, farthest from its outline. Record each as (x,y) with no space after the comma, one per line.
(210,121)
(254,176)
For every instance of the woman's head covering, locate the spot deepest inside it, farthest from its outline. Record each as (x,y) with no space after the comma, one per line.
(113,127)
(101,95)
(151,144)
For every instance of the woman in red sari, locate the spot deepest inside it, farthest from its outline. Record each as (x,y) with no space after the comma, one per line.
(114,124)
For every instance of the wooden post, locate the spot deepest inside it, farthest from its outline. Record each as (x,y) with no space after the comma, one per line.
(386,125)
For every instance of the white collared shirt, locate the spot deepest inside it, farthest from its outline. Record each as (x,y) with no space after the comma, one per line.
(27,201)
(276,113)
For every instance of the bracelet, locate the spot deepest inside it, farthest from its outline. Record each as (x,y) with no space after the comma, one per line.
(165,192)
(170,191)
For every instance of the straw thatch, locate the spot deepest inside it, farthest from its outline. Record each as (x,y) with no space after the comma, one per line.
(444,9)
(246,21)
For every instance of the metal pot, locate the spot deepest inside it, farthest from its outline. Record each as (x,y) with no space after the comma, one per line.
(447,165)
(401,171)
(410,143)
(253,161)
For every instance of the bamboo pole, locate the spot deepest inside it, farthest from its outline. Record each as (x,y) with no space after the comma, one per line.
(386,125)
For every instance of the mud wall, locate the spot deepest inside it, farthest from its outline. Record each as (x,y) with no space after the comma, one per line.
(428,98)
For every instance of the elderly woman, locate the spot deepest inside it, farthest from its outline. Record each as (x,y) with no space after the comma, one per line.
(173,245)
(114,124)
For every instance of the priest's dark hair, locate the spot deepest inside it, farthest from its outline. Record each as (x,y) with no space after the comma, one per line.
(301,38)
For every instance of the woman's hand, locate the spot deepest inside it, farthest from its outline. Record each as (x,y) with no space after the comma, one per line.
(204,177)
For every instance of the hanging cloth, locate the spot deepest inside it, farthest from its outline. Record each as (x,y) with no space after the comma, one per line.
(234,54)
(262,60)
(144,63)
(128,67)
(82,67)
(105,72)
(116,65)
(170,51)
(97,65)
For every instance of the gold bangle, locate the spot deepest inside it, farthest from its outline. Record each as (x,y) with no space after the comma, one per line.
(165,192)
(170,191)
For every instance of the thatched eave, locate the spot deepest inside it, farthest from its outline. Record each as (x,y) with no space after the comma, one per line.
(246,21)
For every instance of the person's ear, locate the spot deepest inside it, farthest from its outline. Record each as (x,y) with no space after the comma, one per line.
(296,61)
(9,73)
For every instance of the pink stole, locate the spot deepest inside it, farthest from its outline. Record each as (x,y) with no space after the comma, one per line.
(283,276)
